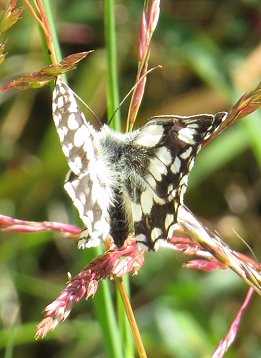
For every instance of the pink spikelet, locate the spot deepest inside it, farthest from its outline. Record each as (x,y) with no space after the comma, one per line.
(225,343)
(115,262)
(8,223)
(149,20)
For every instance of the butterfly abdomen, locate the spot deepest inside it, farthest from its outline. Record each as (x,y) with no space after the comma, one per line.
(119,219)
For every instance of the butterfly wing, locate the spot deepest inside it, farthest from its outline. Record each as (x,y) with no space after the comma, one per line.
(119,182)
(88,183)
(77,137)
(171,143)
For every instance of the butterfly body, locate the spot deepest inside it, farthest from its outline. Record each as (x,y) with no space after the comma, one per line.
(134,182)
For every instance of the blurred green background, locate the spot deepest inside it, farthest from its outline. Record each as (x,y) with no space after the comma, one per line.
(211,54)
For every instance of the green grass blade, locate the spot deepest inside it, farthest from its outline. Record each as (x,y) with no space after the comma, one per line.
(113,103)
(104,309)
(112,76)
(51,20)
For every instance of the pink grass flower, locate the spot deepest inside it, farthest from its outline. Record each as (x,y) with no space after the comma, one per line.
(191,247)
(8,223)
(225,343)
(212,246)
(148,25)
(149,21)
(114,263)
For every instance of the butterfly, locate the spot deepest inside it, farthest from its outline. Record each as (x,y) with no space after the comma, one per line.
(133,182)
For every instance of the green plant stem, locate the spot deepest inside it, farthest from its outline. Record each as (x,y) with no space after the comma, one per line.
(113,104)
(112,76)
(125,331)
(51,21)
(105,312)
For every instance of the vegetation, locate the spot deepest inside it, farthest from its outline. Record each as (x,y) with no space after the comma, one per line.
(210,55)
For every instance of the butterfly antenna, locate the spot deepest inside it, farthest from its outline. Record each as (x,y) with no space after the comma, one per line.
(132,89)
(87,106)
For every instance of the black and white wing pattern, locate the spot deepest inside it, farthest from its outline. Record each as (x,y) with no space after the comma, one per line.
(165,151)
(89,181)
(123,183)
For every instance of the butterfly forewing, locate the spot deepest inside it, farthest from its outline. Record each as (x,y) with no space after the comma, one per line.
(88,183)
(76,135)
(128,182)
(172,143)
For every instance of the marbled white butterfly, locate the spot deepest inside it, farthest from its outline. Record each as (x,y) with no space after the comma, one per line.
(134,182)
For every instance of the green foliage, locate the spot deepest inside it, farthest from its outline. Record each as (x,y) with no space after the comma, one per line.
(205,50)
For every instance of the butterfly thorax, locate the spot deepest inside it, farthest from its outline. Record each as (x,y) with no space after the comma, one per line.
(127,167)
